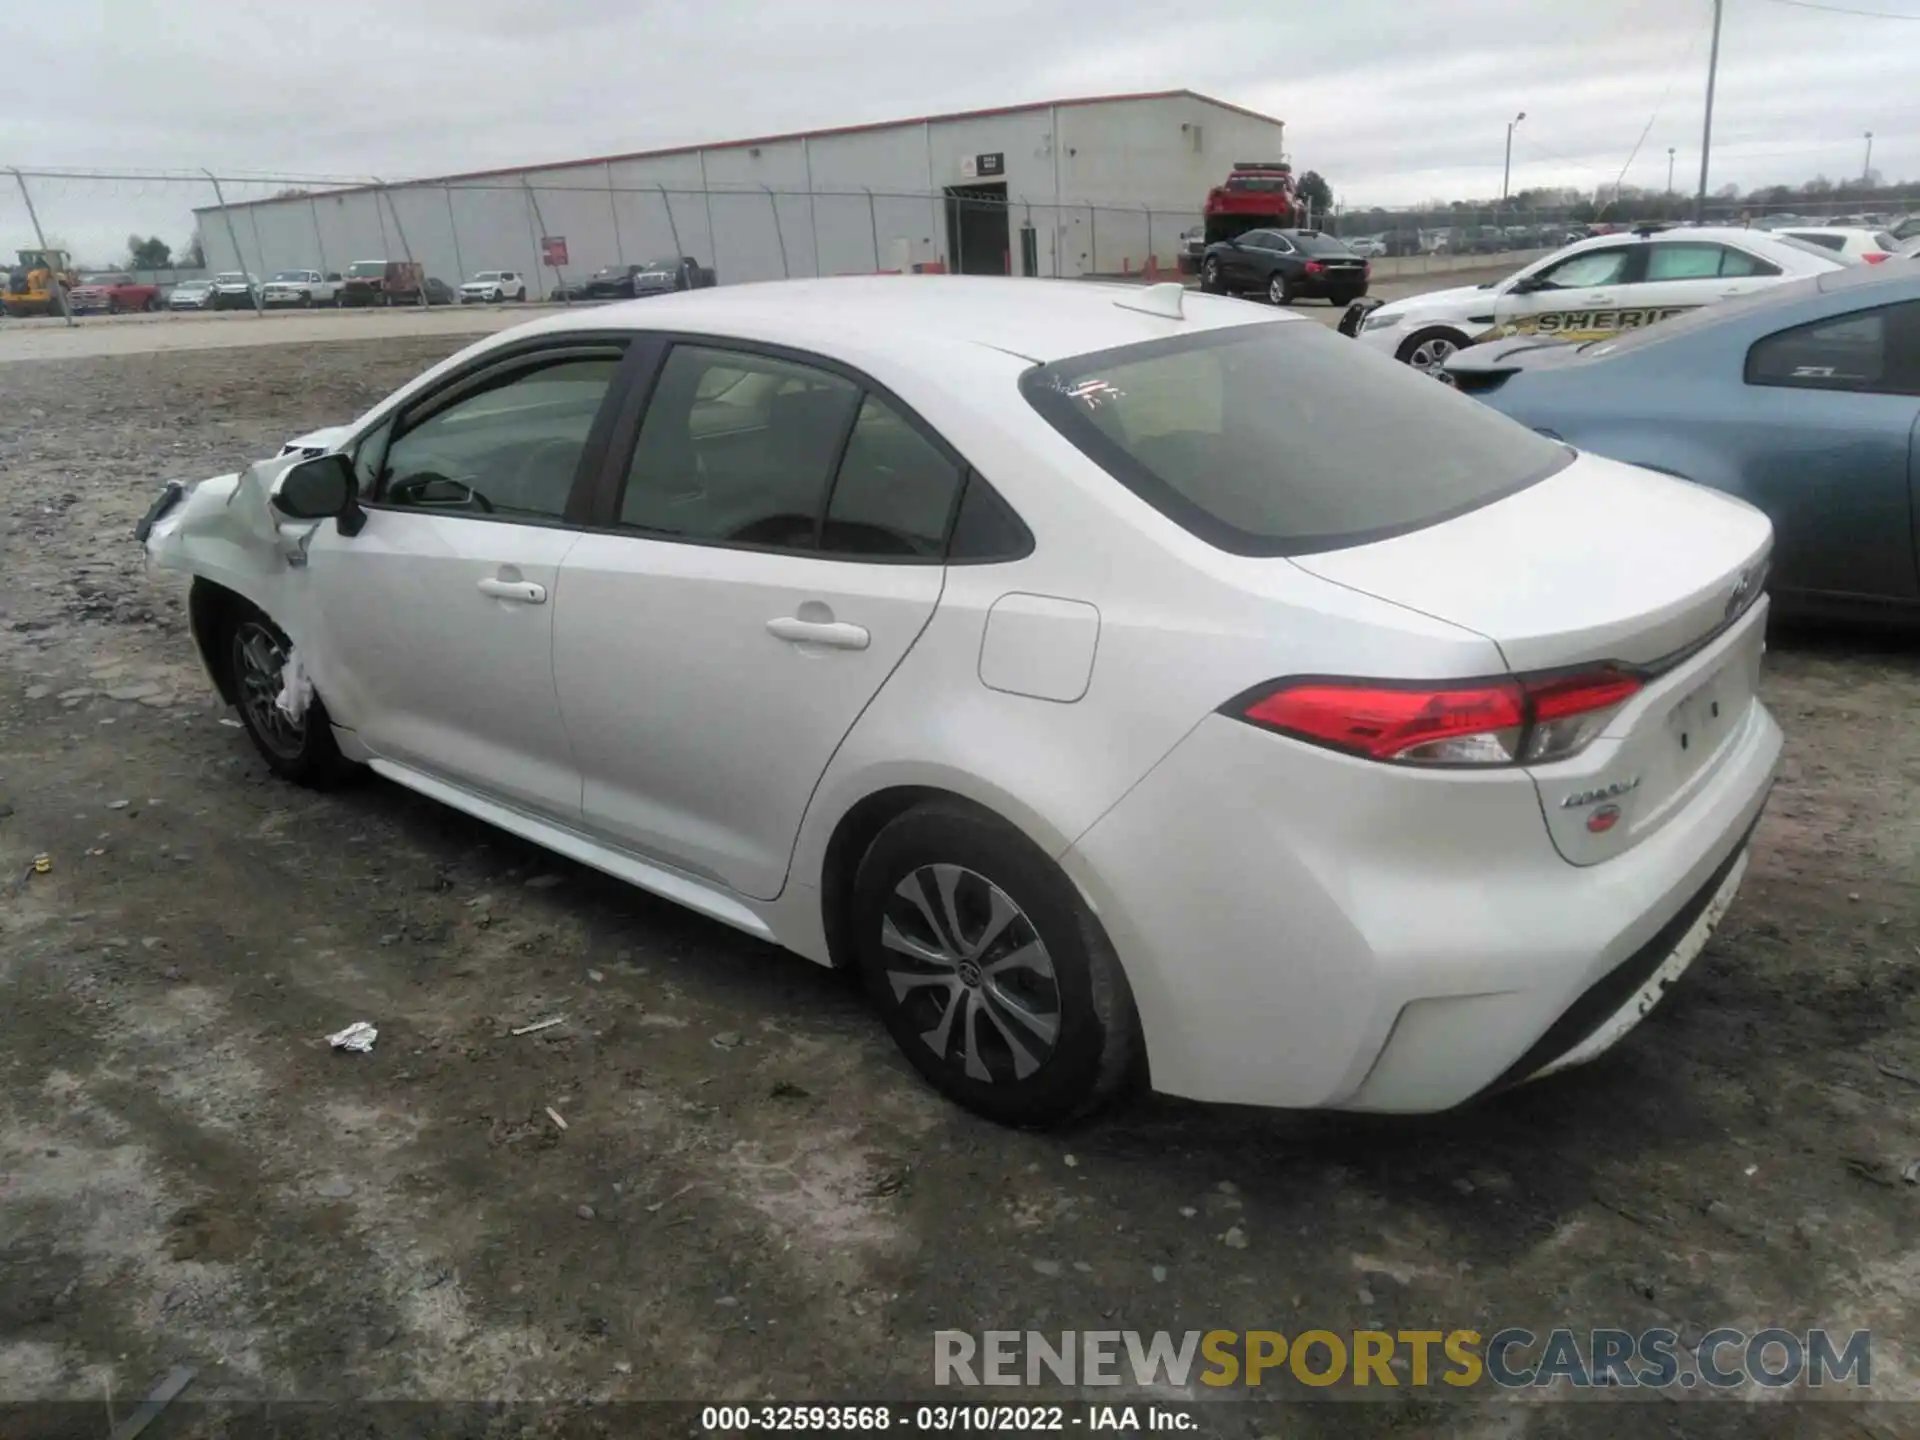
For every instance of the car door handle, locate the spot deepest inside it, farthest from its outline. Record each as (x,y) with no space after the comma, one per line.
(1599,299)
(834,634)
(525,591)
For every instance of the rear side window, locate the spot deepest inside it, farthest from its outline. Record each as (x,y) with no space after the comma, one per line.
(895,491)
(1694,260)
(738,448)
(1281,439)
(1876,351)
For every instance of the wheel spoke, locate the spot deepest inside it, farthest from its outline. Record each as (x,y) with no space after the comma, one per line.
(906,980)
(941,1035)
(947,879)
(1001,912)
(1030,956)
(892,937)
(914,890)
(1045,1028)
(1023,1062)
(976,1067)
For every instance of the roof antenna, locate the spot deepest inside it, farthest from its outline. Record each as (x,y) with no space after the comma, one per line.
(1163,300)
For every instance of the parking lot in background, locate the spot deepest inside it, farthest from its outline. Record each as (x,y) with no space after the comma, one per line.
(51,338)
(752,1195)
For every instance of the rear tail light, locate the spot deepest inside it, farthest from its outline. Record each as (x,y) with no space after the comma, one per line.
(1530,720)
(1314,267)
(1874,257)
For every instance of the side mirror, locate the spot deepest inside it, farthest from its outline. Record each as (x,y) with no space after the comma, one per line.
(1527,285)
(321,487)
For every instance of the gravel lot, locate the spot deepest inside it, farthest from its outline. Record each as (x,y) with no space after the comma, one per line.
(753,1197)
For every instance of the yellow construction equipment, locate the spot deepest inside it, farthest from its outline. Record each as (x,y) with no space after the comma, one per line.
(31,284)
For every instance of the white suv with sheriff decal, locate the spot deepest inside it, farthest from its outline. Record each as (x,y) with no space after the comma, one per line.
(1595,288)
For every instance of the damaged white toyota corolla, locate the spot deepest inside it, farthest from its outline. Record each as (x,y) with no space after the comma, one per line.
(1128,684)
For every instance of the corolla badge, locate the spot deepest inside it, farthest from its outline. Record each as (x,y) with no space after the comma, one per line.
(1605,792)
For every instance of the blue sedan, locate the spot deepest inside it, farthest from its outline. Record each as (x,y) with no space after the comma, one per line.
(1803,400)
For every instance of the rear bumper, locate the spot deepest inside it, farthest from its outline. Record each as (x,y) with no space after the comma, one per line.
(1301,929)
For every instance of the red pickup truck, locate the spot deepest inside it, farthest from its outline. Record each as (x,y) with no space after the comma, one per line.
(112,292)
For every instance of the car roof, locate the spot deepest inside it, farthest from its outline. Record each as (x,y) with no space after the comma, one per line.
(1039,320)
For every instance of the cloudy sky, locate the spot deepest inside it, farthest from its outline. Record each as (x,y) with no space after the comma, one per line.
(1393,100)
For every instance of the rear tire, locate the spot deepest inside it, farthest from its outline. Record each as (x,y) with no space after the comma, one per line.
(1210,276)
(254,651)
(1011,1002)
(1279,289)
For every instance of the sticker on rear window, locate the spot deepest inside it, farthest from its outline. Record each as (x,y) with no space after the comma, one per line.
(1091,393)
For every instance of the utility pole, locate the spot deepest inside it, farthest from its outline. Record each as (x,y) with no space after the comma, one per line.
(1866,170)
(1669,169)
(1506,173)
(1706,133)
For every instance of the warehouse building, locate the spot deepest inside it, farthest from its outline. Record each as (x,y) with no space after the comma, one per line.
(1070,187)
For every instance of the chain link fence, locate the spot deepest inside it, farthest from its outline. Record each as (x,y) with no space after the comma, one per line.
(573,233)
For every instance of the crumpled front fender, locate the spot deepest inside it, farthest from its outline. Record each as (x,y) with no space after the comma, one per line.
(225,532)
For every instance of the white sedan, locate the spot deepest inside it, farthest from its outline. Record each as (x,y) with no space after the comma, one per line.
(1589,290)
(1854,245)
(1038,650)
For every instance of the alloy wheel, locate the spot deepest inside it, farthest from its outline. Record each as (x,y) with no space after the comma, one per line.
(969,966)
(259,663)
(1429,355)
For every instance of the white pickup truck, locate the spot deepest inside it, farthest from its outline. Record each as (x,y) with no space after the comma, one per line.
(305,288)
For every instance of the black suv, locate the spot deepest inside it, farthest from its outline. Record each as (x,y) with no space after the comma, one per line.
(1285,266)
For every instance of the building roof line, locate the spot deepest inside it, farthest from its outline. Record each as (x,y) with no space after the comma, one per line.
(792,135)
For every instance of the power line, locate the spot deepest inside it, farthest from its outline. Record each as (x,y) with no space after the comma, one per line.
(1845,10)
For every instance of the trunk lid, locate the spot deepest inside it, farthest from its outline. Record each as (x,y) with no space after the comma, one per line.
(1601,561)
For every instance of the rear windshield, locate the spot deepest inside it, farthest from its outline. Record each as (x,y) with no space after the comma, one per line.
(1321,245)
(1282,438)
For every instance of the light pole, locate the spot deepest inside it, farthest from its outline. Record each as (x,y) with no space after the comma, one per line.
(1669,169)
(1506,173)
(1706,133)
(1866,170)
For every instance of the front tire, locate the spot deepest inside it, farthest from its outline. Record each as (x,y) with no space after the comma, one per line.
(994,978)
(303,750)
(1427,350)
(1279,289)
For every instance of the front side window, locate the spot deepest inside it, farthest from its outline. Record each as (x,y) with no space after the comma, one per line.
(1876,351)
(508,449)
(1594,267)
(1227,434)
